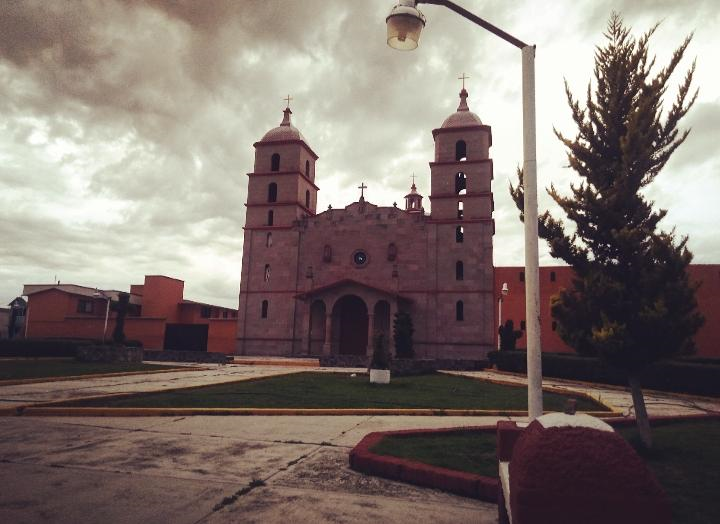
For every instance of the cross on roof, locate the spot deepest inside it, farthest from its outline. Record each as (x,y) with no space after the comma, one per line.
(362,187)
(287,99)
(463,78)
(413,177)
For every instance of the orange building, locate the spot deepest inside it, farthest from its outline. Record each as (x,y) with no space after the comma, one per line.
(554,278)
(158,315)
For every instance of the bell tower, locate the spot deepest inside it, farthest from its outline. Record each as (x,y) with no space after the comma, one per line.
(462,207)
(281,191)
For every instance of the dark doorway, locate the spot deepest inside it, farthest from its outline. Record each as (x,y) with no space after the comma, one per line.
(186,337)
(351,317)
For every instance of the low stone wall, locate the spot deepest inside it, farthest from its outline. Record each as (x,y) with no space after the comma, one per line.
(106,353)
(344,361)
(187,356)
(406,366)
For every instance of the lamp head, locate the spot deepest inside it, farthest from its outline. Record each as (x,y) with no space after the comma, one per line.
(404,24)
(505,289)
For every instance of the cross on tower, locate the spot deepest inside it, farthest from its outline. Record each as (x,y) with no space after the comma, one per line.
(287,99)
(413,177)
(362,187)
(463,78)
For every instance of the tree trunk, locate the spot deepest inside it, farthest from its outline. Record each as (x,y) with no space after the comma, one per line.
(641,416)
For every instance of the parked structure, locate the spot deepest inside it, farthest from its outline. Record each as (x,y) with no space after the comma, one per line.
(158,315)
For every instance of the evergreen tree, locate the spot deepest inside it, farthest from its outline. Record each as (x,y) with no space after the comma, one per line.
(631,302)
(403,333)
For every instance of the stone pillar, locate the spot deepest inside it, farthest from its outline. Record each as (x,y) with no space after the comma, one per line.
(327,345)
(371,331)
(305,326)
(391,337)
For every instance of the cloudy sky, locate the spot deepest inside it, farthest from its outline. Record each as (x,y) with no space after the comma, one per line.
(127,126)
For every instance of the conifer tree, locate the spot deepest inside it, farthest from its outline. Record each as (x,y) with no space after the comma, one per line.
(631,302)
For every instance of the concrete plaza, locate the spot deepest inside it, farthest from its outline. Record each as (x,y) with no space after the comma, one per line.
(219,469)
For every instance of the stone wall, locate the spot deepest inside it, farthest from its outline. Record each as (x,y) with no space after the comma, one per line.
(107,353)
(186,356)
(403,367)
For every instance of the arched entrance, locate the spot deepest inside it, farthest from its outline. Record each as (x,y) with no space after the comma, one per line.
(350,326)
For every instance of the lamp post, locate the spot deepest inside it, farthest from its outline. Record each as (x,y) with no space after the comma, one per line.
(99,294)
(503,293)
(404,24)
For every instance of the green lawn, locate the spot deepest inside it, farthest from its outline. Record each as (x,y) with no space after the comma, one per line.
(685,459)
(469,451)
(341,390)
(64,367)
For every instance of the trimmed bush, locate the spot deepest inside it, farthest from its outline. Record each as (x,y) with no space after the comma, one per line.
(680,375)
(41,347)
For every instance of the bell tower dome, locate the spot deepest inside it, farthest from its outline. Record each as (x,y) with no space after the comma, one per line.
(282,185)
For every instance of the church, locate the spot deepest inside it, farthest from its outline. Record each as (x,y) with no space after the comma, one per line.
(324,283)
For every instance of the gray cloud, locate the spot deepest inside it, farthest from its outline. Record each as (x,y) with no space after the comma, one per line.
(128,125)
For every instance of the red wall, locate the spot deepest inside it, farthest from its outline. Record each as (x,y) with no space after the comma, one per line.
(707,339)
(162,297)
(54,314)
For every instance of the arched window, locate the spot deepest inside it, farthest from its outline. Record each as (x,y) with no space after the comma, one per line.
(459,270)
(271,215)
(267,272)
(307,198)
(460,150)
(459,234)
(460,183)
(272,192)
(307,168)
(460,209)
(275,162)
(327,253)
(264,309)
(268,240)
(459,310)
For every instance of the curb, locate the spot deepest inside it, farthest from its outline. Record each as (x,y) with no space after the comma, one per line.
(550,389)
(98,375)
(362,459)
(276,363)
(50,410)
(461,483)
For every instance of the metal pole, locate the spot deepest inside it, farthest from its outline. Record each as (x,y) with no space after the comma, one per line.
(107,312)
(500,300)
(532,277)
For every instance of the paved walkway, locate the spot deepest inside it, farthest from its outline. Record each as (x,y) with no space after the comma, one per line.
(220,469)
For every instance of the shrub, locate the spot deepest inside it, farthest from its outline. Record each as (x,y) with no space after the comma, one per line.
(679,375)
(41,347)
(403,331)
(381,354)
(508,336)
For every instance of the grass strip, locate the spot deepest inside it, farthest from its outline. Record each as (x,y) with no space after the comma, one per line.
(342,390)
(51,368)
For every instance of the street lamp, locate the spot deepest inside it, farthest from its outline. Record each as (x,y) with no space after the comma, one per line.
(101,294)
(503,293)
(404,24)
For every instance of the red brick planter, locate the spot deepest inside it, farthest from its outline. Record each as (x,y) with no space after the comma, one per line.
(412,472)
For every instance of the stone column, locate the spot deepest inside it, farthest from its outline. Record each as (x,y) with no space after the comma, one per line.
(306,326)
(327,344)
(371,330)
(391,337)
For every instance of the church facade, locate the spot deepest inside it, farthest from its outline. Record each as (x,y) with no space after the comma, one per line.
(323,283)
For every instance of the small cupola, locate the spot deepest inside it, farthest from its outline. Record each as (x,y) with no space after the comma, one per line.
(413,200)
